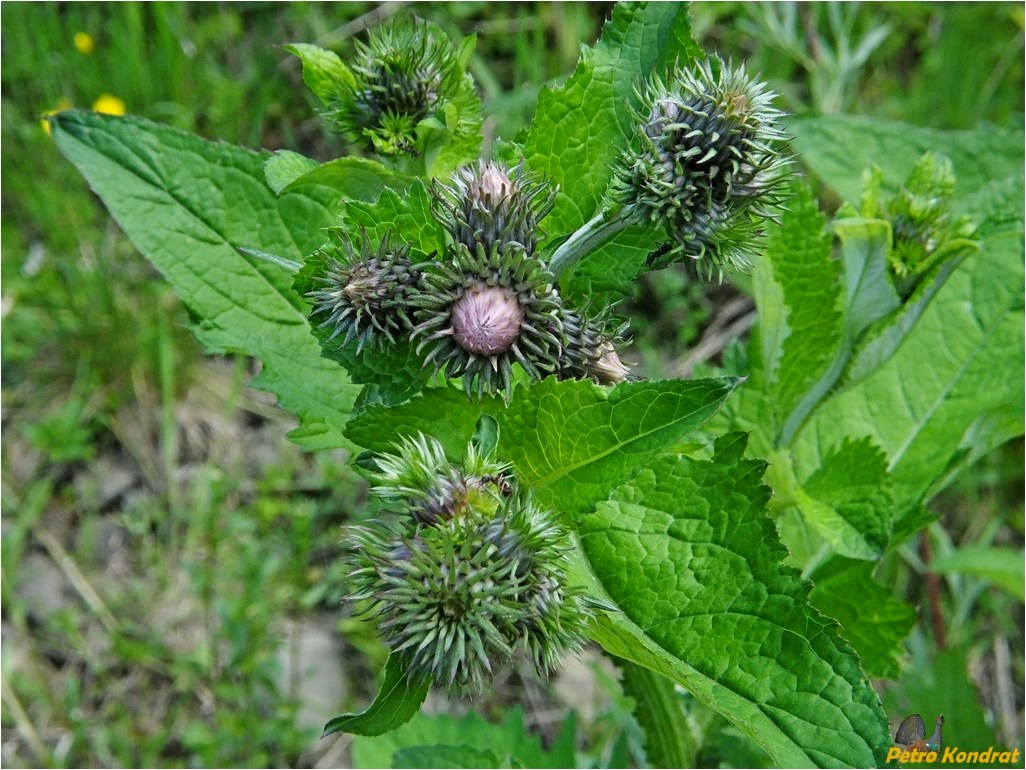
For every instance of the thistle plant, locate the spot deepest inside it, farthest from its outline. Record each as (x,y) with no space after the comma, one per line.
(705,163)
(471,574)
(406,73)
(451,320)
(364,294)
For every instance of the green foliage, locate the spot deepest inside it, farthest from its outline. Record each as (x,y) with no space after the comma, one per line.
(191,227)
(469,741)
(398,699)
(686,551)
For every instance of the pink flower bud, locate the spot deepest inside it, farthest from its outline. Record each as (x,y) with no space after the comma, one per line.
(486,320)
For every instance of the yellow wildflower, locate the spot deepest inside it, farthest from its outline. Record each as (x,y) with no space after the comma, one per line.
(84,43)
(109,105)
(62,104)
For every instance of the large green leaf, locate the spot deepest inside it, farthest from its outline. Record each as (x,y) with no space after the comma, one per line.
(837,148)
(688,554)
(443,413)
(580,127)
(574,442)
(798,292)
(848,500)
(872,618)
(947,396)
(509,741)
(188,205)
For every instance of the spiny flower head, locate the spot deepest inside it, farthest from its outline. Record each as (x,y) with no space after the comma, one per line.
(430,488)
(483,310)
(706,161)
(492,205)
(460,597)
(406,72)
(590,349)
(364,291)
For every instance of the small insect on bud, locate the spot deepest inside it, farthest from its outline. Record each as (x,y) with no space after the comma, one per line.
(365,292)
(431,489)
(479,312)
(461,597)
(491,205)
(706,163)
(589,351)
(408,71)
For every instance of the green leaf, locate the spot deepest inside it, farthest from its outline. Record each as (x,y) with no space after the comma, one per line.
(397,701)
(870,292)
(444,413)
(573,442)
(187,205)
(945,398)
(507,740)
(580,127)
(1001,566)
(323,72)
(408,214)
(871,617)
(848,500)
(838,147)
(798,293)
(284,167)
(607,275)
(352,178)
(688,554)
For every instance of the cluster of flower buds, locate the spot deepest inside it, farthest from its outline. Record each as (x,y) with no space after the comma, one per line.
(471,573)
(407,72)
(486,303)
(705,163)
(924,230)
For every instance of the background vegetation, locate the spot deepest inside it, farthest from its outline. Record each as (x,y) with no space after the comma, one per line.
(169,592)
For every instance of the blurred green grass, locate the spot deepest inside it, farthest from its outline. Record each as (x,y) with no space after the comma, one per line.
(161,540)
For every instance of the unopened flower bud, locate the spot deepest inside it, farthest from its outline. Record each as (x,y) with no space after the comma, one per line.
(407,71)
(463,596)
(707,162)
(480,312)
(492,206)
(364,293)
(589,351)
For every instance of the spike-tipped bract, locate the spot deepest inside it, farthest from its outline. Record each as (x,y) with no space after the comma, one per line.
(706,162)
(459,593)
(365,291)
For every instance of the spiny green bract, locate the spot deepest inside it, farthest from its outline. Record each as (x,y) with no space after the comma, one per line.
(422,481)
(365,292)
(407,72)
(706,162)
(481,311)
(457,595)
(491,205)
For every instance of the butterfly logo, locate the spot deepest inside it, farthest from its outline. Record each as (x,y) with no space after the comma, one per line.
(912,734)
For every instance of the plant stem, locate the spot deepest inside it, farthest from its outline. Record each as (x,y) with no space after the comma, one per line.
(601,228)
(668,738)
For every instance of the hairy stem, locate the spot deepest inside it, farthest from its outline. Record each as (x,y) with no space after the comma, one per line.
(668,738)
(601,228)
